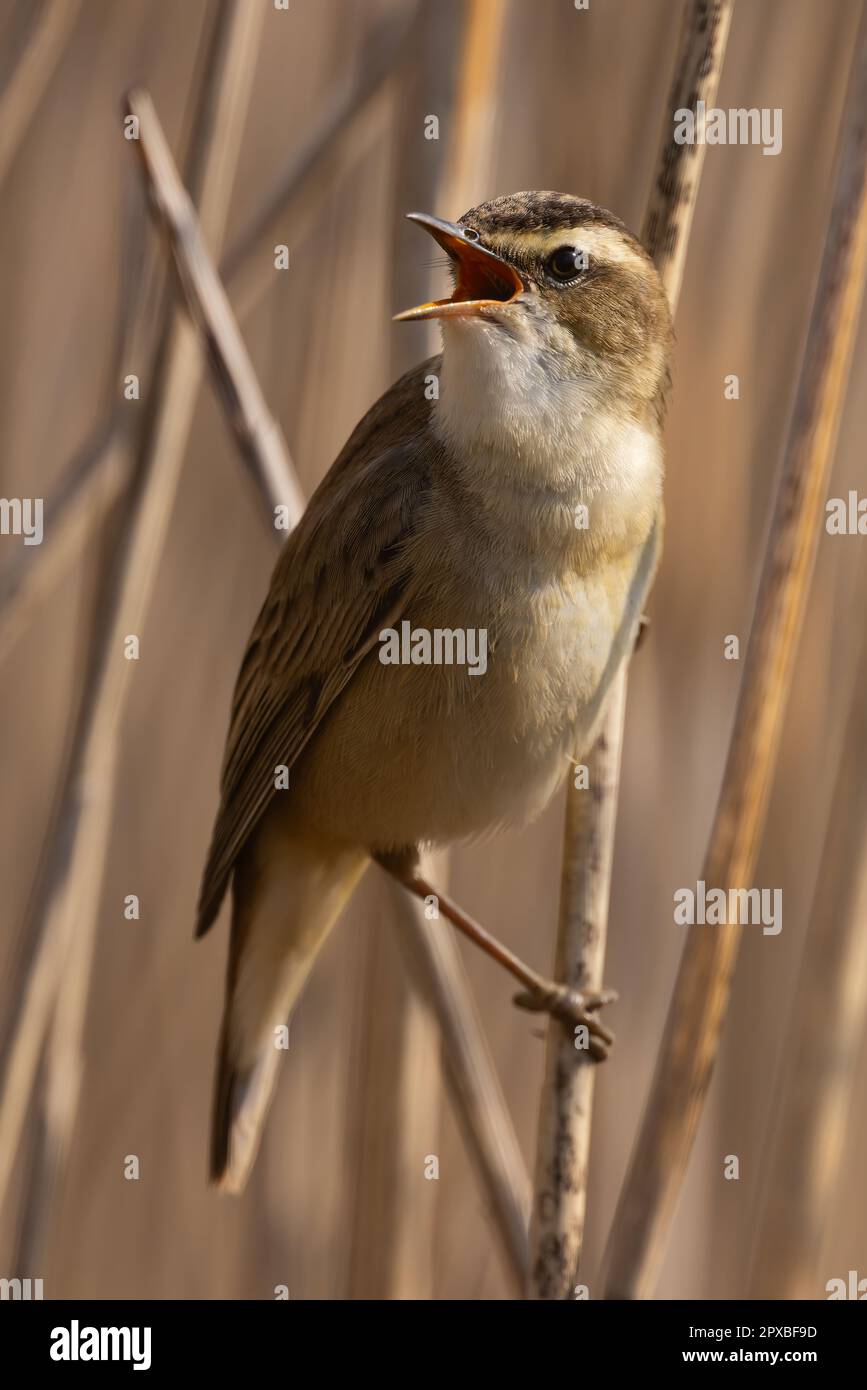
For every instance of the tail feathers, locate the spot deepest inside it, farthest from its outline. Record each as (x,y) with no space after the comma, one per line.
(242,1095)
(287,894)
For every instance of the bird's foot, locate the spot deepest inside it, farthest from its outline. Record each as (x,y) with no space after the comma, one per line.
(575,1009)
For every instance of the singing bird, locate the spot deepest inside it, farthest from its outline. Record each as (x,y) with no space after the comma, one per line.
(521,500)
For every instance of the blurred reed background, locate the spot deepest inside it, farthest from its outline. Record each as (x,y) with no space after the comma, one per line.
(529,94)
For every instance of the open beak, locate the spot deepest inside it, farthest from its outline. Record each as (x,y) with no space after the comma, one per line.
(483,279)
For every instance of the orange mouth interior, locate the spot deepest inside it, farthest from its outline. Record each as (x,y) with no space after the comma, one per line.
(482,280)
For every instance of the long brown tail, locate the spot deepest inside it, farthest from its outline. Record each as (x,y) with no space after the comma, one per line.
(241,1099)
(286,896)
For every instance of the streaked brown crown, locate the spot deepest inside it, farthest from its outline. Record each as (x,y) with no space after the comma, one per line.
(539,211)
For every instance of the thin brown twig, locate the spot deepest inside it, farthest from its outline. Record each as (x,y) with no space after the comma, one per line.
(698,1006)
(824,1040)
(588,848)
(102,470)
(258,435)
(472,1078)
(248,271)
(75,862)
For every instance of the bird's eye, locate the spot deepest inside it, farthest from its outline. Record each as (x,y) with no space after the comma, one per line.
(566,263)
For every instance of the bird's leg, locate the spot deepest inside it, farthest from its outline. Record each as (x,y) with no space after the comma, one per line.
(574,1008)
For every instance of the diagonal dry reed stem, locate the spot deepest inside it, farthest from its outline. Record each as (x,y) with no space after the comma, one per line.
(69,895)
(24,90)
(474,1086)
(94,482)
(258,435)
(698,1006)
(473,1083)
(824,1041)
(588,849)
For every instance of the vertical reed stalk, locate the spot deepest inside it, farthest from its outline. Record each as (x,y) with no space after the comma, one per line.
(563,1146)
(825,1037)
(698,1006)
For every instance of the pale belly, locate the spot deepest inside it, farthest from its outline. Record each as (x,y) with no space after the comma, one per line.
(417,753)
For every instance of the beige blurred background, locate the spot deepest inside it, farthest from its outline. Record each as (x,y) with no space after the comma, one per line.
(578,100)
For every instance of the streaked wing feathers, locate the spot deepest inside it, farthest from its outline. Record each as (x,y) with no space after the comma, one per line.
(342,576)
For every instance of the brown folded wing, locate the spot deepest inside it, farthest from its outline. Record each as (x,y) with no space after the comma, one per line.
(344,574)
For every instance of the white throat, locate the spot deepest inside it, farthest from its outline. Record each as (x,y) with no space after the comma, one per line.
(512,425)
